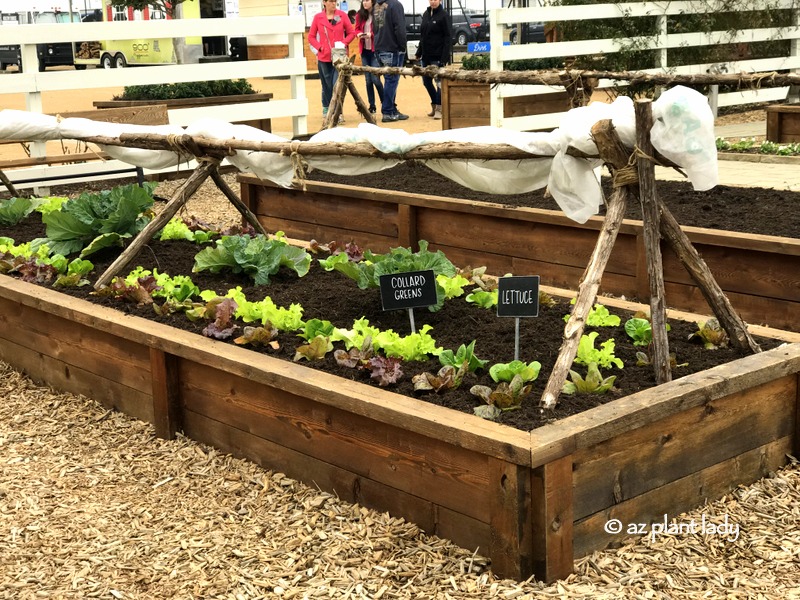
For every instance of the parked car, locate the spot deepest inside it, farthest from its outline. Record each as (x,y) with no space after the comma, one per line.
(532,33)
(49,54)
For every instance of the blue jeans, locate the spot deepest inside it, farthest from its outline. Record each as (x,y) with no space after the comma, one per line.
(390,82)
(327,76)
(433,89)
(368,59)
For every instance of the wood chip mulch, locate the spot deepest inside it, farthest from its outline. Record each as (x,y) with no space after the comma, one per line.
(92,505)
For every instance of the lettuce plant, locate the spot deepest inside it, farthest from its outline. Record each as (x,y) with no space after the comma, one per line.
(258,336)
(711,334)
(483,298)
(263,311)
(507,396)
(464,354)
(593,383)
(516,368)
(603,356)
(598,317)
(315,349)
(223,326)
(447,378)
(179,229)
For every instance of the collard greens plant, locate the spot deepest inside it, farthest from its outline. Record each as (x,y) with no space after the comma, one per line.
(94,221)
(367,273)
(258,256)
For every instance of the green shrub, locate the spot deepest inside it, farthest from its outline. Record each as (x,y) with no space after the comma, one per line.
(193,89)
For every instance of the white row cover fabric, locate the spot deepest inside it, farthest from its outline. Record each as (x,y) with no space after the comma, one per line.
(683,132)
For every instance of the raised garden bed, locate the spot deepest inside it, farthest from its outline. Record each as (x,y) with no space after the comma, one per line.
(759,273)
(530,501)
(466,104)
(783,123)
(263,124)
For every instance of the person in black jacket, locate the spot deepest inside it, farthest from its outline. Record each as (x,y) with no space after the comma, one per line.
(389,26)
(434,50)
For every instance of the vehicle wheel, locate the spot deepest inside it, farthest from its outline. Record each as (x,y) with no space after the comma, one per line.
(80,67)
(120,62)
(107,62)
(512,37)
(461,38)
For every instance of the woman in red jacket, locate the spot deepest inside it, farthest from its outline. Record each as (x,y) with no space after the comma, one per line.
(366,47)
(329,26)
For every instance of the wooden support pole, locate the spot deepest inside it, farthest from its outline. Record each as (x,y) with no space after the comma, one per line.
(179,198)
(610,150)
(362,107)
(246,213)
(652,241)
(10,186)
(337,99)
(728,318)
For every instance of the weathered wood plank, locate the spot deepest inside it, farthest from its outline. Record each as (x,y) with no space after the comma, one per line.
(551,501)
(77,380)
(93,350)
(166,393)
(417,464)
(462,530)
(510,542)
(761,310)
(324,234)
(626,414)
(745,271)
(376,218)
(648,457)
(679,496)
(344,483)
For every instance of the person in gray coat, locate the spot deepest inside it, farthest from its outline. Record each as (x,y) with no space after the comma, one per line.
(389,26)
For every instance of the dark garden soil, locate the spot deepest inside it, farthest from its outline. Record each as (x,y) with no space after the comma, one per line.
(334,297)
(749,210)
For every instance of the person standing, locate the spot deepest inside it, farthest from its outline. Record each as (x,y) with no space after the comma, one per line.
(329,26)
(389,25)
(366,47)
(434,50)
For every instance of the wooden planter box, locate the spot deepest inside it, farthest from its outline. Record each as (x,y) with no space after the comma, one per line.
(466,104)
(760,274)
(532,502)
(783,123)
(263,124)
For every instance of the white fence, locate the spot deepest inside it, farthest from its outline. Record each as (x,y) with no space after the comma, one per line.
(260,30)
(664,41)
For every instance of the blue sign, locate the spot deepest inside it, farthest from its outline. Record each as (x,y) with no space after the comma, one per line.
(482,47)
(475,47)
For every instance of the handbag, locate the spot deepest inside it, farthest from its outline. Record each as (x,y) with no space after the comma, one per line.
(337,54)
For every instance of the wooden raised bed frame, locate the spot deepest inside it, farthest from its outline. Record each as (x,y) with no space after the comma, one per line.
(530,501)
(466,104)
(760,274)
(263,124)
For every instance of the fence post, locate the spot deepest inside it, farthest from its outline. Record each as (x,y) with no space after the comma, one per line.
(495,64)
(793,96)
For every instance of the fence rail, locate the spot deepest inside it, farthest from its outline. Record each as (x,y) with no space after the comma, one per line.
(263,30)
(664,41)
